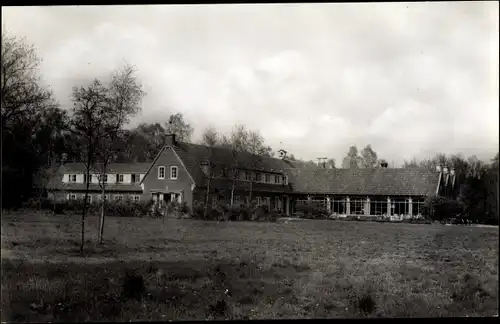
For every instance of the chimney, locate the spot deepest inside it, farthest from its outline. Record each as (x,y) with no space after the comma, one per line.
(452,171)
(438,168)
(445,169)
(384,165)
(170,140)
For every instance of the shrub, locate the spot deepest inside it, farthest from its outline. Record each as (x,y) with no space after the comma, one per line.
(312,210)
(441,208)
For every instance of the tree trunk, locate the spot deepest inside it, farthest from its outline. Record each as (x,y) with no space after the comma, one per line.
(232,194)
(101,219)
(206,200)
(84,211)
(251,189)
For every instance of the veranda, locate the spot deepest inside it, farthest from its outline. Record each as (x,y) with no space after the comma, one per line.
(390,207)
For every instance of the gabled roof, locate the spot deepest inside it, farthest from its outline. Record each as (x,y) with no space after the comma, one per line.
(378,181)
(193,156)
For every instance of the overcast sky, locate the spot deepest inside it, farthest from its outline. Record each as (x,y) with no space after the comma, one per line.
(410,79)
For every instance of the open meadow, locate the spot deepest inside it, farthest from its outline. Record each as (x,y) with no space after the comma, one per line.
(187,269)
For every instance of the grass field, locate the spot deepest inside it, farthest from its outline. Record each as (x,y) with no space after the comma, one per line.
(233,270)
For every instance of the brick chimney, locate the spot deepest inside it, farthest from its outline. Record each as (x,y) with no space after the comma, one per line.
(170,140)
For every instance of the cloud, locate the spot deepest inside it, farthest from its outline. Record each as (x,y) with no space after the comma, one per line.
(408,78)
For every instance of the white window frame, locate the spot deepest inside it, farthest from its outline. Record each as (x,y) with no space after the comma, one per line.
(277,179)
(72,178)
(267,178)
(136,197)
(101,177)
(119,178)
(259,202)
(176,168)
(285,180)
(115,197)
(89,198)
(72,196)
(85,178)
(160,168)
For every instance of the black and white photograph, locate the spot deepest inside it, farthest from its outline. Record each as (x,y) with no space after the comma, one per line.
(249,161)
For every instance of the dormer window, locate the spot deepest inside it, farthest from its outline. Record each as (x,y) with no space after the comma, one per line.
(258,177)
(249,176)
(103,178)
(71,177)
(285,180)
(277,179)
(85,178)
(268,178)
(119,178)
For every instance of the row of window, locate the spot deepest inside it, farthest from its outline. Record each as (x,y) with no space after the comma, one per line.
(174,171)
(116,197)
(266,201)
(135,178)
(258,177)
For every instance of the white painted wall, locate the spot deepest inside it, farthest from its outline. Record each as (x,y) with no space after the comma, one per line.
(95,178)
(142,176)
(127,178)
(111,178)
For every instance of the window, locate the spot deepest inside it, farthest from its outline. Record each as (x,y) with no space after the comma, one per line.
(132,178)
(103,178)
(258,201)
(285,180)
(277,203)
(161,172)
(136,197)
(267,201)
(357,207)
(118,197)
(248,176)
(277,178)
(268,178)
(89,198)
(258,177)
(85,178)
(173,172)
(72,196)
(99,197)
(135,178)
(72,177)
(119,178)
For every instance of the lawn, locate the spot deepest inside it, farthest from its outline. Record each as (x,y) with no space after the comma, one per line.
(186,269)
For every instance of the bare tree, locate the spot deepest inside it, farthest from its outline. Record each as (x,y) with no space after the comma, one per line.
(210,137)
(368,157)
(22,94)
(352,160)
(87,123)
(178,126)
(122,101)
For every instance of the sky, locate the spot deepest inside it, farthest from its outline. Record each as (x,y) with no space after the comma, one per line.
(411,79)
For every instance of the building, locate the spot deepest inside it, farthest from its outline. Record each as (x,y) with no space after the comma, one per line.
(185,172)
(122,182)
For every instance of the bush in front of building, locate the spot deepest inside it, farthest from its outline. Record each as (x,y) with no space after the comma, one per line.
(311,210)
(438,208)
